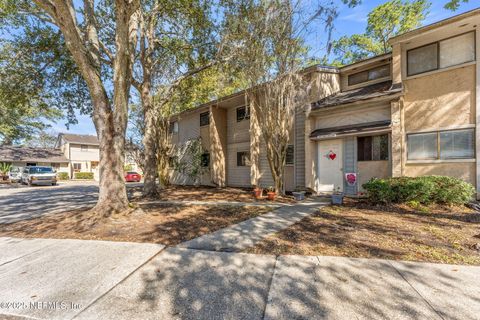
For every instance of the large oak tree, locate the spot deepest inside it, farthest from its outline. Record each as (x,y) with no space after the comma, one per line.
(80,29)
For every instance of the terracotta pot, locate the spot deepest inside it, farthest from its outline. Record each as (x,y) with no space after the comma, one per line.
(271,195)
(258,192)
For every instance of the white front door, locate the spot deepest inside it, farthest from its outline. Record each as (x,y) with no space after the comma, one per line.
(330,165)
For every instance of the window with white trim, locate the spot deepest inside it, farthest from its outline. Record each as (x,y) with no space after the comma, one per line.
(442,145)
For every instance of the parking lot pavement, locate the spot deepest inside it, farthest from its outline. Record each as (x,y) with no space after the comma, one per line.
(19,202)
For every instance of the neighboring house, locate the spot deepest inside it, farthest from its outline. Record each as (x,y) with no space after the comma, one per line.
(25,157)
(411,112)
(72,153)
(82,152)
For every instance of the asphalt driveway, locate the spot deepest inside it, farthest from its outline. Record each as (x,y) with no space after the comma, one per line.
(22,202)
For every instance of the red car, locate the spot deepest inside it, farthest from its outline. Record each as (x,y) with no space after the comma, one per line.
(132,177)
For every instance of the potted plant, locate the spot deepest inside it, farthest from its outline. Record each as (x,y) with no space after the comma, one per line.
(4,170)
(337,196)
(258,192)
(299,193)
(271,193)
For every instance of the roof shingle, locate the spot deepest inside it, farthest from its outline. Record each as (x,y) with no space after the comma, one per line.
(27,154)
(369,92)
(80,138)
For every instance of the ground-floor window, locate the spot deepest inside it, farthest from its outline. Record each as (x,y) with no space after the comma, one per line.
(442,145)
(243,159)
(77,167)
(372,148)
(205,160)
(30,164)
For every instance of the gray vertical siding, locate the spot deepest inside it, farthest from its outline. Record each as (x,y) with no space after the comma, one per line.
(299,147)
(350,162)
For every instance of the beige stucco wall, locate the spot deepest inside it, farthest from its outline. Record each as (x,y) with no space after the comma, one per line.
(372,169)
(76,153)
(441,100)
(465,171)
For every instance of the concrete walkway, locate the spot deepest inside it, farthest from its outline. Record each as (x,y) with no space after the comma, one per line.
(247,233)
(75,279)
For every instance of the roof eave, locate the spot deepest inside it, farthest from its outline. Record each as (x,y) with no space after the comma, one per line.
(382,98)
(411,34)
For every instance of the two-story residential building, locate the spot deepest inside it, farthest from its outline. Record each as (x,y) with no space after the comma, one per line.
(411,112)
(82,152)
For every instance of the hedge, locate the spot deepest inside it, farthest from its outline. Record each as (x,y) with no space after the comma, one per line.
(84,175)
(424,190)
(63,176)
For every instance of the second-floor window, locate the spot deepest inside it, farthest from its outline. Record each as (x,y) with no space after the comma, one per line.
(204,119)
(243,113)
(442,54)
(84,147)
(369,75)
(243,159)
(173,129)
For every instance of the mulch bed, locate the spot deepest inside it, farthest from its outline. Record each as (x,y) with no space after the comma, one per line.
(165,224)
(436,233)
(204,193)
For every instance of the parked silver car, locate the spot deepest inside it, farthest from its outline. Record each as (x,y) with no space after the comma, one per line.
(15,174)
(39,176)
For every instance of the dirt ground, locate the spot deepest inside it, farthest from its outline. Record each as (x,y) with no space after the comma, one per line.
(203,193)
(431,234)
(165,224)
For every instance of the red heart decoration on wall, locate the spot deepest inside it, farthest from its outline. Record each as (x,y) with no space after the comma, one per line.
(332,155)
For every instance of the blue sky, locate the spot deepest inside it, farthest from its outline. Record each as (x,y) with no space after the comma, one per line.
(350,21)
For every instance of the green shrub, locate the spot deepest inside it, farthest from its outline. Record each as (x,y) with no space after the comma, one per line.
(84,175)
(63,176)
(422,190)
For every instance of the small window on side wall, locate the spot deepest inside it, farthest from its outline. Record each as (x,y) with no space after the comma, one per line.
(84,147)
(289,159)
(173,128)
(243,113)
(243,159)
(205,159)
(204,119)
(372,148)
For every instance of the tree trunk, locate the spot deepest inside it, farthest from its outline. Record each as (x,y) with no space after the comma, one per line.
(150,145)
(112,195)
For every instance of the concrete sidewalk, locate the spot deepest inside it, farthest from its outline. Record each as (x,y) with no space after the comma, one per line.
(65,279)
(247,233)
